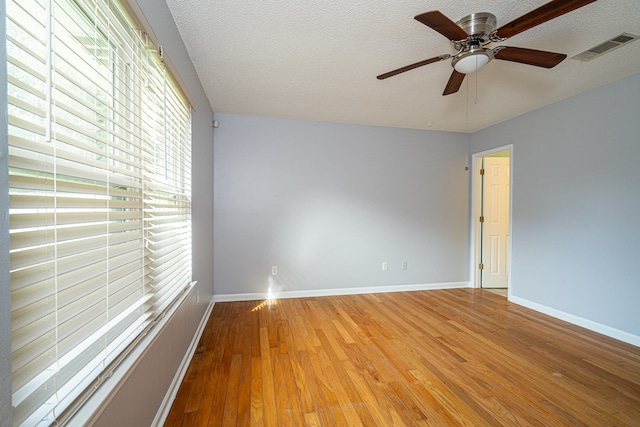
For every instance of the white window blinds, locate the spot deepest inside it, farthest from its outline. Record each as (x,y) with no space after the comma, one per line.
(100,190)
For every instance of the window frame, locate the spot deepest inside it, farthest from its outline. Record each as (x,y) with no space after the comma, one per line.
(133,348)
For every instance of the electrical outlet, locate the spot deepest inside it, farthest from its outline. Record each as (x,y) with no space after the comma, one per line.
(197,296)
(385,266)
(274,270)
(404,265)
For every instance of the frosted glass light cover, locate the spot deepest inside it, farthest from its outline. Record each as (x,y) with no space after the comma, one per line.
(471,63)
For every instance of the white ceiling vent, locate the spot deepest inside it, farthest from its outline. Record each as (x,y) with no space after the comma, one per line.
(608,46)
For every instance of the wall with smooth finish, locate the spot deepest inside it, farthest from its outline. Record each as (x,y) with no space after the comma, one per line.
(328,203)
(576,205)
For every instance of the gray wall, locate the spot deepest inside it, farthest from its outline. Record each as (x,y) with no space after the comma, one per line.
(5,300)
(327,203)
(576,204)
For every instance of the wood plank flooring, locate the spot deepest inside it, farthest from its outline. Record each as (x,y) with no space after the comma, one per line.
(430,358)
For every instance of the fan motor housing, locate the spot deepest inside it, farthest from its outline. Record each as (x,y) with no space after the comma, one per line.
(479,25)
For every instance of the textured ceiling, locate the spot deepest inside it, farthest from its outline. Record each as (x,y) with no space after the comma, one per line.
(318,59)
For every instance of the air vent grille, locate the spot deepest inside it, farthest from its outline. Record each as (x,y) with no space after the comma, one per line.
(607,46)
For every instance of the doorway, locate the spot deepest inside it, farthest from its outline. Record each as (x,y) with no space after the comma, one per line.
(491,207)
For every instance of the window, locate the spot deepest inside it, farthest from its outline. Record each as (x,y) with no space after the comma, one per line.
(99,197)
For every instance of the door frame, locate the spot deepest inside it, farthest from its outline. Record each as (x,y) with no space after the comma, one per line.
(476,195)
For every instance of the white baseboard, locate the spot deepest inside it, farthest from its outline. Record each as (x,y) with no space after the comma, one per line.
(579,321)
(165,407)
(337,291)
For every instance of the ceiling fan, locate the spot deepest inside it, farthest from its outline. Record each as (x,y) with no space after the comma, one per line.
(472,34)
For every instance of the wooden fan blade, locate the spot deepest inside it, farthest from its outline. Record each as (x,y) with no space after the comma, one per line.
(544,13)
(454,83)
(445,26)
(539,58)
(412,66)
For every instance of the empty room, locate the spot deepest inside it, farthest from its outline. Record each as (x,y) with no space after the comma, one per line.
(320,213)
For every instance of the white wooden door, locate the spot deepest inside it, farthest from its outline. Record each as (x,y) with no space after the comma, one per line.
(495,228)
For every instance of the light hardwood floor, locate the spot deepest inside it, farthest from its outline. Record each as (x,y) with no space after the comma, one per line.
(429,358)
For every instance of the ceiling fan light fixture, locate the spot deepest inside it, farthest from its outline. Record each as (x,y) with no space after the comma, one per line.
(472,60)
(469,35)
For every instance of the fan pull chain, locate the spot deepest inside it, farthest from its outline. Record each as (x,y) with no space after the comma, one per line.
(476,101)
(466,111)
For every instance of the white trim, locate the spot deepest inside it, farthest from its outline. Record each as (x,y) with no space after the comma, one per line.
(172,392)
(476,165)
(476,159)
(339,291)
(580,321)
